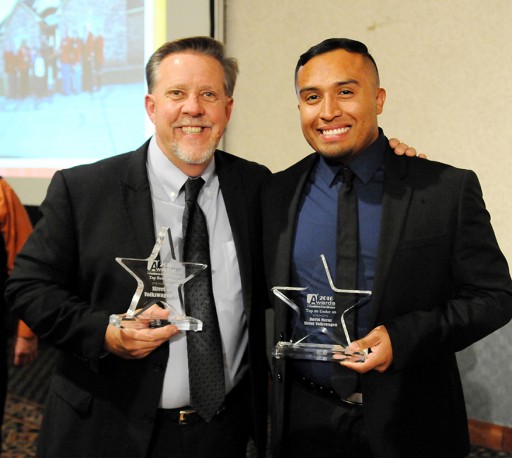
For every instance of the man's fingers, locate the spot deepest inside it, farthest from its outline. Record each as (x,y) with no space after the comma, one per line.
(394,142)
(403,148)
(365,343)
(381,355)
(155,312)
(130,343)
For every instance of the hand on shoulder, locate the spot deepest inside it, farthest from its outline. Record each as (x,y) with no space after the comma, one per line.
(402,148)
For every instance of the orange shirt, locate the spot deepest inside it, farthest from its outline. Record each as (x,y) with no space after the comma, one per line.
(16,227)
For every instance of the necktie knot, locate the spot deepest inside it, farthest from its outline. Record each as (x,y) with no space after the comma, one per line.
(192,188)
(348,178)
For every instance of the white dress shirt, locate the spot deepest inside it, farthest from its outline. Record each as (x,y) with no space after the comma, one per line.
(166,182)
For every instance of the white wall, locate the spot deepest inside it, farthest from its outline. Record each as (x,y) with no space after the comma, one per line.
(447,69)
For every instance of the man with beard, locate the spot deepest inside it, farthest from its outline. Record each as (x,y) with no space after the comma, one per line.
(123,391)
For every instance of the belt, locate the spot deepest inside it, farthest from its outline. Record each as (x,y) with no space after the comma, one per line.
(354,399)
(187,415)
(181,415)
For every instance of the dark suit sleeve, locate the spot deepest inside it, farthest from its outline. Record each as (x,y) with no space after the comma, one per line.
(43,287)
(480,300)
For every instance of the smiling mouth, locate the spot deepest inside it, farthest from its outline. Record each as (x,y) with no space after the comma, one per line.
(192,129)
(338,131)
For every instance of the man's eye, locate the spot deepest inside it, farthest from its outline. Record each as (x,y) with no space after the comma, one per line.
(312,98)
(175,94)
(208,95)
(346,92)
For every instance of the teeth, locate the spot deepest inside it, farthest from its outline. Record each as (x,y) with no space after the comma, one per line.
(339,131)
(192,130)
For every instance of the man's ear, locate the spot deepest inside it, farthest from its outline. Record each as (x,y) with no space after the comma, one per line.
(381,98)
(229,107)
(149,102)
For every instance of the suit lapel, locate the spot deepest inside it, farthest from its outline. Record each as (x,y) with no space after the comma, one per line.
(395,204)
(290,188)
(285,201)
(136,196)
(232,189)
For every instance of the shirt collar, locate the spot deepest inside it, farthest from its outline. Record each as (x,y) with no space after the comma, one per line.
(171,178)
(364,165)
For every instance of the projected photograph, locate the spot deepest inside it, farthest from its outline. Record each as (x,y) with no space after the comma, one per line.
(72,81)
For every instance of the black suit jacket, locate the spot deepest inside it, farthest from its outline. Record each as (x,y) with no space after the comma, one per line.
(66,284)
(441,284)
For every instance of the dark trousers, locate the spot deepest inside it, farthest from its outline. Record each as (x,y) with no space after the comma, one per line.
(323,427)
(225,436)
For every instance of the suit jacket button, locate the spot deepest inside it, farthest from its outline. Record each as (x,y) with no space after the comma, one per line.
(148,419)
(281,336)
(280,377)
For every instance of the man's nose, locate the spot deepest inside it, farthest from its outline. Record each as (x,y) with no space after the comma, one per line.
(330,108)
(193,105)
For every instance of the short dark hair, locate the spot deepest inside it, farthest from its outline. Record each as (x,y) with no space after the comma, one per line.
(199,45)
(332,44)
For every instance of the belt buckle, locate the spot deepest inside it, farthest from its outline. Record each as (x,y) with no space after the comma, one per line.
(184,414)
(355,398)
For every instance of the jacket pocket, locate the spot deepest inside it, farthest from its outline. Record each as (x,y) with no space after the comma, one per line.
(77,397)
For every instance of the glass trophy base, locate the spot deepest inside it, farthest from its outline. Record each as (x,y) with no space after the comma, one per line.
(183,323)
(317,352)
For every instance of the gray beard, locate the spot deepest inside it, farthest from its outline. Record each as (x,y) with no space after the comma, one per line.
(205,156)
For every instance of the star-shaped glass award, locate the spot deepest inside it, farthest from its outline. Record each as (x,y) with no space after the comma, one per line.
(319,328)
(158,299)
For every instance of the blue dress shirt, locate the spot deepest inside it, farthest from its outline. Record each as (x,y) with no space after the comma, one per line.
(315,232)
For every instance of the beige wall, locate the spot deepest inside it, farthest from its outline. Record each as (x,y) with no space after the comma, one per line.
(446,66)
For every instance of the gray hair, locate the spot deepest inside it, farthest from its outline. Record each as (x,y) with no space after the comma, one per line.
(199,45)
